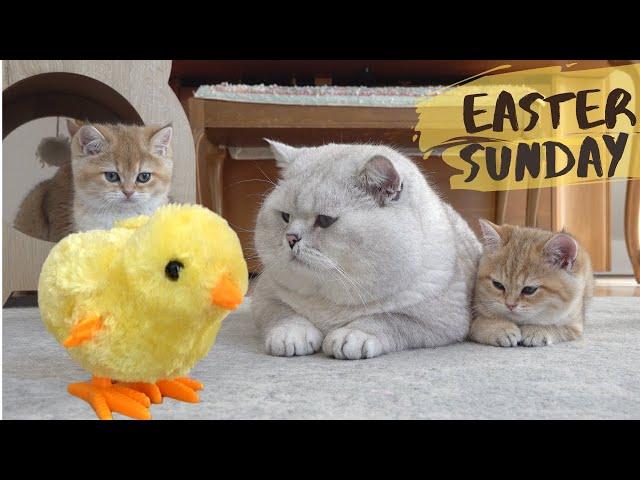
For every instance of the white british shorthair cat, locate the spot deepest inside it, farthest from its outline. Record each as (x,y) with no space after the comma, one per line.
(361,257)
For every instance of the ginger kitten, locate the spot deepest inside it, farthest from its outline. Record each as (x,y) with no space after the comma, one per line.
(105,173)
(119,171)
(532,287)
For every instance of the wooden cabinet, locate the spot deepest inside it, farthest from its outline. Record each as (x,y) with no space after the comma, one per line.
(583,210)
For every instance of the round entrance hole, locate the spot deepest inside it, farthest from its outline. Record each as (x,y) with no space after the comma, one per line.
(30,108)
(64,94)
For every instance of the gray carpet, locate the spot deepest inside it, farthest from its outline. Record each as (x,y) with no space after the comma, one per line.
(596,377)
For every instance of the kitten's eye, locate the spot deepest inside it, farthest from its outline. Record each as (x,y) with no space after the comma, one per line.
(529,290)
(143,177)
(285,217)
(112,177)
(172,270)
(498,285)
(324,221)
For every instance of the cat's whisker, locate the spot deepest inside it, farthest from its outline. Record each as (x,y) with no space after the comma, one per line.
(250,180)
(241,229)
(356,289)
(259,195)
(265,175)
(334,266)
(341,281)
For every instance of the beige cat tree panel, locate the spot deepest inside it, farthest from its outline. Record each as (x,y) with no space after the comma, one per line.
(101,91)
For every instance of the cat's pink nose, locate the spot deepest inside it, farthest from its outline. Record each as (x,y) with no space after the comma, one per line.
(292,238)
(511,306)
(128,193)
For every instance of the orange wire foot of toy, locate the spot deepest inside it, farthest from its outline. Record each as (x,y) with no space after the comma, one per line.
(106,397)
(182,388)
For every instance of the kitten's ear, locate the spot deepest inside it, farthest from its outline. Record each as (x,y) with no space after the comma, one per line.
(561,250)
(91,141)
(284,154)
(380,179)
(161,141)
(491,239)
(73,126)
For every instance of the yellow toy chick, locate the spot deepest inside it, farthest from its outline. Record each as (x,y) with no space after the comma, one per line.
(140,304)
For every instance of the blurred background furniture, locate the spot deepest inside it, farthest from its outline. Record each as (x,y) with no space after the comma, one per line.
(235,170)
(100,91)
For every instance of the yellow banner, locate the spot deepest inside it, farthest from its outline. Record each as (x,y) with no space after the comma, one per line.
(535,128)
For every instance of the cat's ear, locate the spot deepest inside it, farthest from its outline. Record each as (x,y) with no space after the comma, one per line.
(91,141)
(491,239)
(380,179)
(73,126)
(284,154)
(561,250)
(161,141)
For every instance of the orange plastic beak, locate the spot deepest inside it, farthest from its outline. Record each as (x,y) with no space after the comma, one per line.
(226,294)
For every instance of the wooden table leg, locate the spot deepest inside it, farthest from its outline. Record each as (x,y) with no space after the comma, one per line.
(203,195)
(533,200)
(216,163)
(209,167)
(632,225)
(502,197)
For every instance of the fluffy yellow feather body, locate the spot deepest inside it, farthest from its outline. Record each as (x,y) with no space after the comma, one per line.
(151,327)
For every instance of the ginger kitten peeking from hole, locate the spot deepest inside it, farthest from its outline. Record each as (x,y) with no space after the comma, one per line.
(532,287)
(119,171)
(106,172)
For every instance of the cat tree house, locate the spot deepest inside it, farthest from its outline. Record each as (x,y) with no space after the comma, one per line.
(100,91)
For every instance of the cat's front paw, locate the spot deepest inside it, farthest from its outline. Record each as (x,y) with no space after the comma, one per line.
(499,335)
(508,337)
(292,340)
(535,336)
(351,344)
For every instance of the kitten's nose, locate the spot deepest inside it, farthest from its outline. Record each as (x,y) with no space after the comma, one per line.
(292,238)
(128,193)
(511,306)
